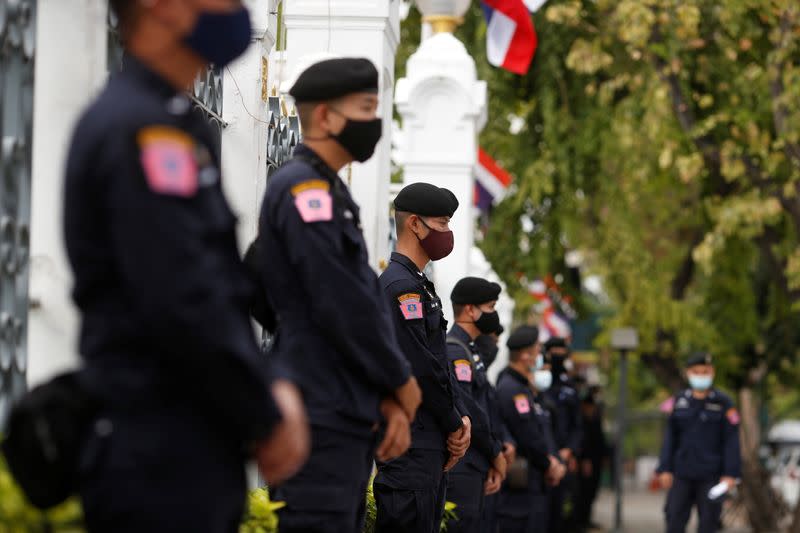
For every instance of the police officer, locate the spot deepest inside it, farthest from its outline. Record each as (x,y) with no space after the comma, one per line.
(700,450)
(335,335)
(184,395)
(565,400)
(488,348)
(410,490)
(483,468)
(594,450)
(523,503)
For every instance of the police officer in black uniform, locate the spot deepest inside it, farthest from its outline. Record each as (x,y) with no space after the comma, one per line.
(565,400)
(488,348)
(523,503)
(335,334)
(410,490)
(482,470)
(700,450)
(169,351)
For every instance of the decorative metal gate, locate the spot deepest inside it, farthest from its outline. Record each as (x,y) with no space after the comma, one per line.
(283,134)
(17,47)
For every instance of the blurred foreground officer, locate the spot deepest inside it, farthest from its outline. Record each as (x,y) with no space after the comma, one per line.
(334,335)
(565,401)
(183,393)
(483,469)
(410,490)
(701,449)
(523,503)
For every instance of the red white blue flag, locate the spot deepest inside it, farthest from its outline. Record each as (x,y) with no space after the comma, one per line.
(491,181)
(510,36)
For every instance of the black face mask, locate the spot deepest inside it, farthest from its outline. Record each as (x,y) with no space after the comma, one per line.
(488,348)
(488,322)
(359,137)
(557,364)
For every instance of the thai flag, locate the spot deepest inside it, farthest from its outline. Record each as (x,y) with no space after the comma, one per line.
(491,181)
(510,37)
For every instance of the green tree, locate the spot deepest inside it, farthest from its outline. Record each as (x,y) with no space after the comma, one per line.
(661,139)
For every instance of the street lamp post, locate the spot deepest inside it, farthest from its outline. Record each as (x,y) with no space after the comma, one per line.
(624,340)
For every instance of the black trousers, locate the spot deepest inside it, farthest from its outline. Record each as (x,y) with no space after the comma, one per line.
(161,470)
(686,493)
(489,515)
(522,511)
(329,494)
(410,492)
(588,487)
(465,489)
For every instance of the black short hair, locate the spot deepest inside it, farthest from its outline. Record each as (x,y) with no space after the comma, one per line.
(400,218)
(514,355)
(457,310)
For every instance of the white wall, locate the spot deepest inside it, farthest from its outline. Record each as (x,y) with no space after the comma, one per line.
(70,68)
(362,28)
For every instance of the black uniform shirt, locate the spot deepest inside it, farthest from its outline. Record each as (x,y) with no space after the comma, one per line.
(567,414)
(474,389)
(523,415)
(701,441)
(334,336)
(420,325)
(158,278)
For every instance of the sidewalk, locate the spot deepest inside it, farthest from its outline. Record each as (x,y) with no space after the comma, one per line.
(642,511)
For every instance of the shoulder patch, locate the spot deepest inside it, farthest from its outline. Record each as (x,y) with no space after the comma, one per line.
(463,370)
(167,157)
(522,404)
(733,416)
(313,200)
(410,305)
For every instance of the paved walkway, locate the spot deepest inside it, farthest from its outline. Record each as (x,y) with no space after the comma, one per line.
(642,513)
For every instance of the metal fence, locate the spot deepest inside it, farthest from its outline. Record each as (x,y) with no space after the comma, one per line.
(17,52)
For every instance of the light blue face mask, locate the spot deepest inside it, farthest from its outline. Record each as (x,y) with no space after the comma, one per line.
(700,383)
(542,380)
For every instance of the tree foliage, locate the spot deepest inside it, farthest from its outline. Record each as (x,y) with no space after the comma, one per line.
(661,140)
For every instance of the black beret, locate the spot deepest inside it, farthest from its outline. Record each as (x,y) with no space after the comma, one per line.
(555,342)
(333,78)
(523,337)
(699,358)
(474,291)
(427,200)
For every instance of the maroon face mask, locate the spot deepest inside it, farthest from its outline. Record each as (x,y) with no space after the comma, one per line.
(438,244)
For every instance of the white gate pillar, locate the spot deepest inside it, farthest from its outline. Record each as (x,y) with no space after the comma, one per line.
(366,28)
(65,83)
(443,107)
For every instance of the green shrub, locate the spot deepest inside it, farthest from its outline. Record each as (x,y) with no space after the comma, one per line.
(19,516)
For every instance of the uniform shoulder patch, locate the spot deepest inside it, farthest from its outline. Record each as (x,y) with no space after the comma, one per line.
(313,200)
(410,305)
(521,403)
(463,370)
(733,416)
(167,157)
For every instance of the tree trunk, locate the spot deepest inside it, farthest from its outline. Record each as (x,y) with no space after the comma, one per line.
(761,504)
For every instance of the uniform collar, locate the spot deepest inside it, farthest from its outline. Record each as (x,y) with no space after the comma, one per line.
(304,151)
(459,333)
(514,374)
(408,263)
(134,68)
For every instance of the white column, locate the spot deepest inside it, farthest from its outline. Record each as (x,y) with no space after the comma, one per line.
(359,28)
(244,139)
(443,106)
(66,80)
